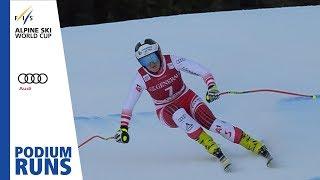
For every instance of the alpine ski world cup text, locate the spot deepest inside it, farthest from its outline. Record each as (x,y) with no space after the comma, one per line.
(33,33)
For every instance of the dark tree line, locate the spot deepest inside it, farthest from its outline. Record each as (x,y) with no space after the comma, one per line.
(83,12)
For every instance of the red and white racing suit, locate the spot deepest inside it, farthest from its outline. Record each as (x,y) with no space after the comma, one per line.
(169,94)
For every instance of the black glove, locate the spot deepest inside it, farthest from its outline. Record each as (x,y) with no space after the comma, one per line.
(212,93)
(122,135)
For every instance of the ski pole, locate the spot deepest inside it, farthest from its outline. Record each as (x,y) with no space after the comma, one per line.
(270,90)
(93,137)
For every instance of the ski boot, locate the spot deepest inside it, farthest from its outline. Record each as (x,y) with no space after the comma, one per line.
(213,148)
(256,147)
(223,160)
(265,153)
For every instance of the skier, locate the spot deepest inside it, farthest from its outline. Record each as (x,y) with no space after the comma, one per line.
(178,106)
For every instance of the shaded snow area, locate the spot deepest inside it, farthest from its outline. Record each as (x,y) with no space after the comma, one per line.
(273,48)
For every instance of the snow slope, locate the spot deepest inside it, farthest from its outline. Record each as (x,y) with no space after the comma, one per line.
(273,48)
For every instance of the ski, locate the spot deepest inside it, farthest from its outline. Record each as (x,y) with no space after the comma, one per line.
(227,168)
(266,154)
(269,161)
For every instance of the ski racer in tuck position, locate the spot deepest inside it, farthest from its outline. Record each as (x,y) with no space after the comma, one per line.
(178,106)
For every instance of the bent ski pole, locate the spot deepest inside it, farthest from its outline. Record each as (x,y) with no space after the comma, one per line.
(270,90)
(93,137)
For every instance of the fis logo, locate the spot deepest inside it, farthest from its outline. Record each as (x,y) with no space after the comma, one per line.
(25,15)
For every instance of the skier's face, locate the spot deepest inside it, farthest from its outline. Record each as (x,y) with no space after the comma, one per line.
(154,66)
(151,62)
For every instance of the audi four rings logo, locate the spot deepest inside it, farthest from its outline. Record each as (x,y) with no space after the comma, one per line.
(35,78)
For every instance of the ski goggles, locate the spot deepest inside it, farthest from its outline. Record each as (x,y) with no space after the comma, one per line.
(151,58)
